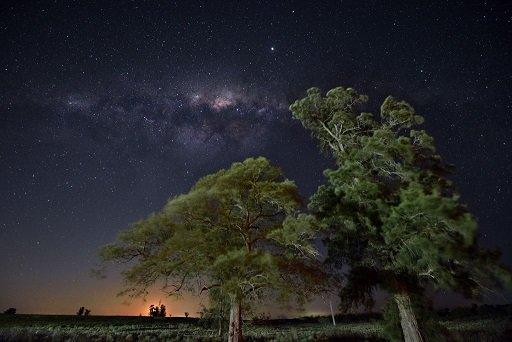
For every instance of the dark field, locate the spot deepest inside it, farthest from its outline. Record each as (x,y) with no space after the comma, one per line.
(490,325)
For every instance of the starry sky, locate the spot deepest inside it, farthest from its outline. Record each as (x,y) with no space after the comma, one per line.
(108,109)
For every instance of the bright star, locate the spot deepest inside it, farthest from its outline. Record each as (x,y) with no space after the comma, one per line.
(272,48)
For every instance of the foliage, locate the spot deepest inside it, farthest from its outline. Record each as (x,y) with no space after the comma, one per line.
(227,232)
(236,231)
(216,315)
(391,212)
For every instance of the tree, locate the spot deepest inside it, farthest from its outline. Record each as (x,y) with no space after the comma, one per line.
(154,311)
(186,314)
(80,311)
(236,231)
(162,311)
(10,311)
(87,312)
(390,211)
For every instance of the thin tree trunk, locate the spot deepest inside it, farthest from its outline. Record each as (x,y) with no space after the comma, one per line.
(221,319)
(220,327)
(235,321)
(407,318)
(332,313)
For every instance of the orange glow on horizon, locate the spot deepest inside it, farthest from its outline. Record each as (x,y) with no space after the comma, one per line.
(101,298)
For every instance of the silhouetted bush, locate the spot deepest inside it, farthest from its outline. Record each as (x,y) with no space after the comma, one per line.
(162,311)
(155,311)
(10,311)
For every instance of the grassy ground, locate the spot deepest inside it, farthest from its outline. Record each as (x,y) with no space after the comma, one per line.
(102,328)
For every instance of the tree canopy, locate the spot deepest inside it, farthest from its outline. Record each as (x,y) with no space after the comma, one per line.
(237,230)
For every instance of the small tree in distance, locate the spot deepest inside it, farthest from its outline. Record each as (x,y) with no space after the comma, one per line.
(154,311)
(186,314)
(80,311)
(10,311)
(162,311)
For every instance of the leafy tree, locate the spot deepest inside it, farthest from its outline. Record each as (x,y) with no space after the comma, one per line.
(186,314)
(87,312)
(391,212)
(80,311)
(235,231)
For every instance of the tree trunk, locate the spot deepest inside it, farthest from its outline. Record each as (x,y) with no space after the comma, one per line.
(332,313)
(221,319)
(235,321)
(407,318)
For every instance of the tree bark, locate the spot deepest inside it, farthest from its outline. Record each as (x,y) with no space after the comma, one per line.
(408,321)
(235,321)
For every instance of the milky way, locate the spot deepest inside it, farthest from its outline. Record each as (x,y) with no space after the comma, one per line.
(203,120)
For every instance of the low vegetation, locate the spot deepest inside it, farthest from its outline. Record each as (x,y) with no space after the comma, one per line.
(481,324)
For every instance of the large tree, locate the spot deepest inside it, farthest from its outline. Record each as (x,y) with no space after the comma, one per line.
(236,231)
(391,212)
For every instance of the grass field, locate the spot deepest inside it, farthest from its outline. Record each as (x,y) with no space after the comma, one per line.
(110,328)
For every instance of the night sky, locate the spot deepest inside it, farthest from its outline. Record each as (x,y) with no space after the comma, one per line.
(107,110)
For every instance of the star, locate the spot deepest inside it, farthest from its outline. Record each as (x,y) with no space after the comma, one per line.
(272,48)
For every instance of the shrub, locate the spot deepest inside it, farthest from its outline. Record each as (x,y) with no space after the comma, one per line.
(10,311)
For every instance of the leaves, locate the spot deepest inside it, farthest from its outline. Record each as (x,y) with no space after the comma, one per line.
(226,232)
(390,211)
